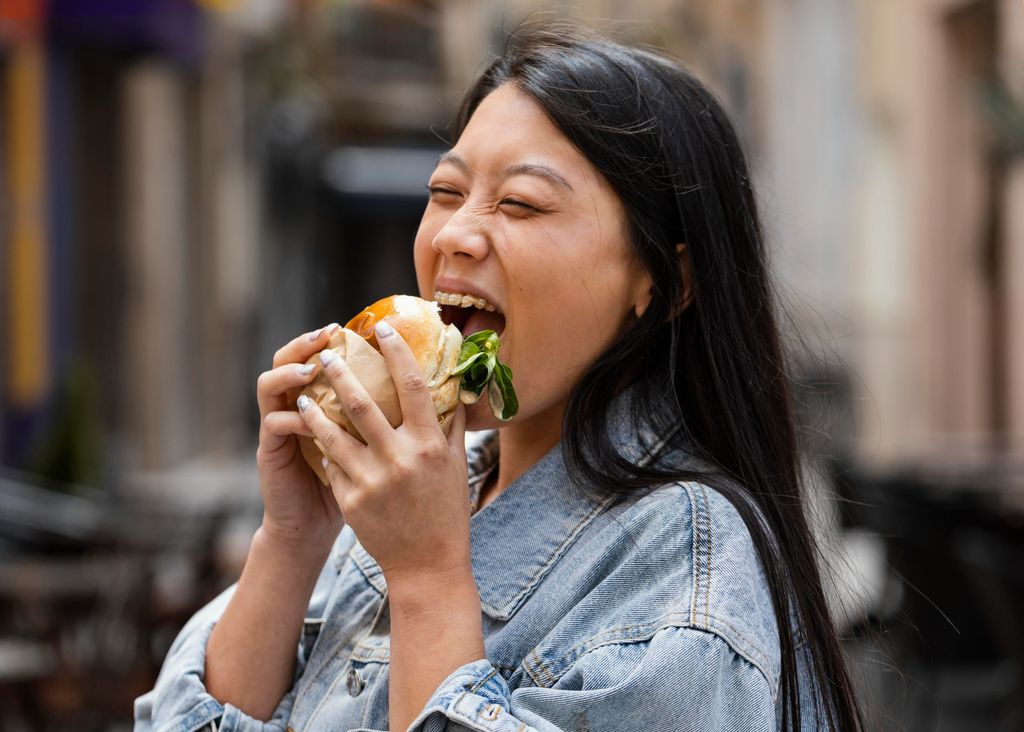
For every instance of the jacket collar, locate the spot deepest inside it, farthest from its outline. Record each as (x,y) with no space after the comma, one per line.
(521,535)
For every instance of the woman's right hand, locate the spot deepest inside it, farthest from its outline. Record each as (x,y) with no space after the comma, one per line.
(299,512)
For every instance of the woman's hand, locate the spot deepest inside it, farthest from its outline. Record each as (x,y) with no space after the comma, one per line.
(298,511)
(405,492)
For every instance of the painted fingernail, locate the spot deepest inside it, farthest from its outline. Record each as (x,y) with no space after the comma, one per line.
(307,369)
(304,402)
(327,356)
(332,327)
(315,334)
(325,462)
(384,330)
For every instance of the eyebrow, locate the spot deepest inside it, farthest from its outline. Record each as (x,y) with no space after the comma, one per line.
(541,171)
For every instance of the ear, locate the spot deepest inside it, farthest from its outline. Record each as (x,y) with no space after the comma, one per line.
(687,272)
(643,299)
(641,292)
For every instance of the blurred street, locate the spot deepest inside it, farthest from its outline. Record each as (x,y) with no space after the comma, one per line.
(186,185)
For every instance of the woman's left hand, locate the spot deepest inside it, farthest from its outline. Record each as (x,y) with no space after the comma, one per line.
(405,492)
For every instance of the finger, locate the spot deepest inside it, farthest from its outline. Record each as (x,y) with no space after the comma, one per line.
(335,442)
(341,486)
(277,427)
(299,349)
(272,386)
(282,424)
(337,478)
(413,395)
(457,432)
(355,401)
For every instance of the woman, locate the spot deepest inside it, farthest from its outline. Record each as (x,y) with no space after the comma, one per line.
(635,537)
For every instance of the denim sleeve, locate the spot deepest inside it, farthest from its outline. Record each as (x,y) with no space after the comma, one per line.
(179,702)
(680,679)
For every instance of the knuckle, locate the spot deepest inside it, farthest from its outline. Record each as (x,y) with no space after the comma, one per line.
(358,406)
(377,483)
(279,357)
(401,469)
(261,381)
(330,440)
(428,451)
(349,502)
(413,381)
(335,368)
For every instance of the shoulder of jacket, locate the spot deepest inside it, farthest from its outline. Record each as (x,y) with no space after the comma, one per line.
(694,541)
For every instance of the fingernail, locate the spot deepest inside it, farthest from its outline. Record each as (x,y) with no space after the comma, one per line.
(304,402)
(327,356)
(384,330)
(326,329)
(324,462)
(307,369)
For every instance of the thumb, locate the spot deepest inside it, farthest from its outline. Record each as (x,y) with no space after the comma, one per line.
(457,432)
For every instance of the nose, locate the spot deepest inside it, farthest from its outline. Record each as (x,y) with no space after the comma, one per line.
(464,234)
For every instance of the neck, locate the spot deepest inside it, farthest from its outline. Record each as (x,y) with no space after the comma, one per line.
(521,445)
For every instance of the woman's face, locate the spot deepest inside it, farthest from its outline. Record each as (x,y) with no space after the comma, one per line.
(518,216)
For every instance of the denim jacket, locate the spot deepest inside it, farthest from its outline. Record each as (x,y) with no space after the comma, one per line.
(647,614)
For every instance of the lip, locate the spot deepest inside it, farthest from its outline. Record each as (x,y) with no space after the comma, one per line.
(462,287)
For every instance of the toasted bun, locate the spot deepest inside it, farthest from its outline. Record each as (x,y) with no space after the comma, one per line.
(436,347)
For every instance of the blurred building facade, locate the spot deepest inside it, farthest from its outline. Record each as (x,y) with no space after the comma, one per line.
(185,186)
(166,175)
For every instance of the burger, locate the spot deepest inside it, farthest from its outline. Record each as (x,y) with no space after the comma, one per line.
(456,368)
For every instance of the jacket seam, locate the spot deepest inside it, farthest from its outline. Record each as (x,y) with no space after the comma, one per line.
(694,551)
(556,555)
(748,653)
(650,453)
(699,619)
(711,551)
(369,568)
(542,667)
(477,686)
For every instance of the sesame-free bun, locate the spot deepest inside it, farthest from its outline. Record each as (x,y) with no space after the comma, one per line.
(436,347)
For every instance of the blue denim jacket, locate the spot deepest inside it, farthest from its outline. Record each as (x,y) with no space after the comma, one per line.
(649,614)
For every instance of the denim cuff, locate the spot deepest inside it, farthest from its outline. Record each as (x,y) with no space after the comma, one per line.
(474,695)
(180,701)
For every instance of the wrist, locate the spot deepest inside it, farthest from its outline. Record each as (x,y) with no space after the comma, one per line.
(300,552)
(419,589)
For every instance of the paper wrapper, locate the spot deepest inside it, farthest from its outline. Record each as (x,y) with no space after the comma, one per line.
(369,366)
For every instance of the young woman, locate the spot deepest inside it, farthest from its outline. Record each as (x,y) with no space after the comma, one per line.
(635,554)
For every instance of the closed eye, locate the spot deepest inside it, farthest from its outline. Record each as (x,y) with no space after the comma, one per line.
(519,204)
(441,191)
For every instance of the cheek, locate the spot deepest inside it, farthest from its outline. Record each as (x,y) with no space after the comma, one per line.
(424,259)
(555,337)
(566,317)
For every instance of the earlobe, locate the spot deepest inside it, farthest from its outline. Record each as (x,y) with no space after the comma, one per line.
(643,300)
(643,294)
(687,274)
(642,304)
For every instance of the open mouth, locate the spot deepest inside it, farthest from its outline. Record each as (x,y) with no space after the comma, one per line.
(469,314)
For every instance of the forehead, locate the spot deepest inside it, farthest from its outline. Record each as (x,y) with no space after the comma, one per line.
(509,127)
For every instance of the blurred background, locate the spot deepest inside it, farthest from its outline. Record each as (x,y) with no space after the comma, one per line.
(185,185)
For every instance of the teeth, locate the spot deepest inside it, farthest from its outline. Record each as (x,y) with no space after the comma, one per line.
(463,301)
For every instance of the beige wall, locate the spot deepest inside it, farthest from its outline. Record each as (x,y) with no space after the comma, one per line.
(872,154)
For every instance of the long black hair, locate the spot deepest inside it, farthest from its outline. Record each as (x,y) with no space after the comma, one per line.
(713,355)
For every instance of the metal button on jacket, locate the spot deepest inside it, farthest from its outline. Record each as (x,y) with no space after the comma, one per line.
(354,682)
